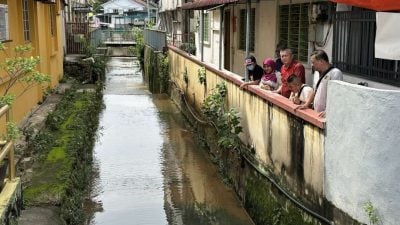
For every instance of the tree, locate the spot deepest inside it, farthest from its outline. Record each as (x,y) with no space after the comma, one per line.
(19,69)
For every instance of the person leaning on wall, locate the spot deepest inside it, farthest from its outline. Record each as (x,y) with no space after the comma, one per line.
(320,63)
(290,66)
(254,71)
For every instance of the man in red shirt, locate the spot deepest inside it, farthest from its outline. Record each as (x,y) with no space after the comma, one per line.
(290,66)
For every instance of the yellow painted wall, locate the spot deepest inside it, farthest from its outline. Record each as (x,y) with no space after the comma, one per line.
(265,126)
(45,45)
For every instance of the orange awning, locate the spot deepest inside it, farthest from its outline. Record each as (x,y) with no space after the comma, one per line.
(377,5)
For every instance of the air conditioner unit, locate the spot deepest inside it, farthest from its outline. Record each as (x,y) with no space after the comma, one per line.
(4,35)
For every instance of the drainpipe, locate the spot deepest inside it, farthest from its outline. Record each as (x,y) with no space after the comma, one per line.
(221,27)
(202,34)
(248,14)
(148,12)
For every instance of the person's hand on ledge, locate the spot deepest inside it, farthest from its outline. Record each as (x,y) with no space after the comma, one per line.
(322,114)
(299,107)
(243,85)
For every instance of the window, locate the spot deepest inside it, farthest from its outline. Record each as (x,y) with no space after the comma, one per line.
(25,19)
(293,29)
(3,22)
(242,29)
(52,20)
(354,47)
(206,28)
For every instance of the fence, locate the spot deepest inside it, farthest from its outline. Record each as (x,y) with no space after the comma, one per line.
(77,35)
(184,42)
(155,38)
(353,47)
(6,150)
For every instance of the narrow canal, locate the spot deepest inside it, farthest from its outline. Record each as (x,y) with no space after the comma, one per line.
(150,169)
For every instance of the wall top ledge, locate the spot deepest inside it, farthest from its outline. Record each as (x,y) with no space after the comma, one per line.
(308,115)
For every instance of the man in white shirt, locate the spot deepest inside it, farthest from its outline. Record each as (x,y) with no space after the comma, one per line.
(320,63)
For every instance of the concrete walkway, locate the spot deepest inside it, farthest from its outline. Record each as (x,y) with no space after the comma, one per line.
(44,215)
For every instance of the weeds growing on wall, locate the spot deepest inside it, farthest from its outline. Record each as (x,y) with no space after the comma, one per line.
(138,49)
(372,214)
(201,74)
(227,121)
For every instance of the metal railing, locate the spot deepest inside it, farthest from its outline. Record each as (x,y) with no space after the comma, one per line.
(155,38)
(77,34)
(7,146)
(118,35)
(184,42)
(353,48)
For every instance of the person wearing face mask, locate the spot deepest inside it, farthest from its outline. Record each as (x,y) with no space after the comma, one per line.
(255,71)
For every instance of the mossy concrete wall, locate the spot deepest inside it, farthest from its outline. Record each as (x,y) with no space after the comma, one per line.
(291,146)
(288,145)
(155,73)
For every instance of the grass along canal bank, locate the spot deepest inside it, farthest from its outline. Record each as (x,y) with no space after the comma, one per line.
(58,180)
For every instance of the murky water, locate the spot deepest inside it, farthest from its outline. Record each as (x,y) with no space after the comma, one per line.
(150,169)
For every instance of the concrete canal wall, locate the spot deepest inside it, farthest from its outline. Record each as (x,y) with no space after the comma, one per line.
(289,143)
(308,159)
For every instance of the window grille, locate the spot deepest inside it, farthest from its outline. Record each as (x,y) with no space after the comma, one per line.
(206,28)
(293,29)
(354,47)
(25,19)
(242,29)
(4,35)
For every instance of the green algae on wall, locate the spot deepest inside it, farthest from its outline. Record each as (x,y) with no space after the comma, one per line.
(64,151)
(156,71)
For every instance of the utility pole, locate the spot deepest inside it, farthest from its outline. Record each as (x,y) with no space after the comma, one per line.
(148,12)
(248,16)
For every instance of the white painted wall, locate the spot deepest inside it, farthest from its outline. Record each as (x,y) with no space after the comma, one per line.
(362,160)
(168,5)
(211,48)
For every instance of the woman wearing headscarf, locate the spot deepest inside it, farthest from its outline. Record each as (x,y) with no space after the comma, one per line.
(269,80)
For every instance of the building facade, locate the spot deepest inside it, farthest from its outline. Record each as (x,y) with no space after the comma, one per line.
(354,163)
(38,23)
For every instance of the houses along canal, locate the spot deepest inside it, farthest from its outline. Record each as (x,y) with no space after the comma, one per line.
(150,168)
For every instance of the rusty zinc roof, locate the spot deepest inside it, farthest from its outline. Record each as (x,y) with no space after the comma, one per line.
(201,4)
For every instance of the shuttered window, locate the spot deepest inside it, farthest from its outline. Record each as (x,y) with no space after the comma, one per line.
(293,29)
(242,29)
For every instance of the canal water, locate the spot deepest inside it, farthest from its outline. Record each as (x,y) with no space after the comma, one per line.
(150,169)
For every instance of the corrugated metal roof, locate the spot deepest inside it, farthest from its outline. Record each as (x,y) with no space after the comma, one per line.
(201,4)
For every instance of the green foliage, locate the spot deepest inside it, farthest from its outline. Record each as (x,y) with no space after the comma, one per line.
(188,47)
(185,76)
(65,155)
(7,99)
(227,121)
(201,73)
(138,49)
(12,131)
(164,72)
(372,213)
(20,69)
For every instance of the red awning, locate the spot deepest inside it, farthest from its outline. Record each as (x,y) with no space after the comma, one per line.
(202,4)
(377,5)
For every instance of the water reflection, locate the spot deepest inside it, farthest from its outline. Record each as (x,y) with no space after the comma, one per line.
(150,169)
